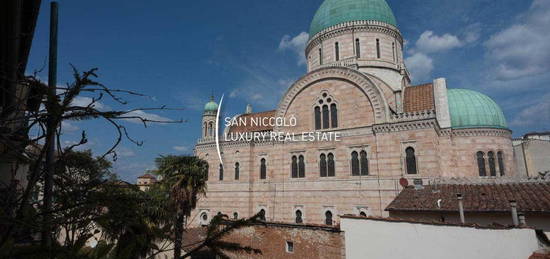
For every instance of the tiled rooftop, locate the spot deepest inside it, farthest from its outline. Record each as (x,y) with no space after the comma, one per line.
(419,98)
(530,197)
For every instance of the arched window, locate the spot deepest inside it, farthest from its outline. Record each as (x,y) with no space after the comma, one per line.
(377,48)
(334,115)
(237,171)
(317,118)
(326,123)
(301,167)
(362,214)
(500,157)
(364,163)
(205,126)
(393,50)
(211,128)
(326,113)
(481,163)
(235,215)
(299,219)
(330,165)
(354,163)
(337,51)
(262,215)
(328,218)
(492,165)
(323,165)
(221,172)
(410,160)
(263,169)
(358,48)
(294,167)
(320,56)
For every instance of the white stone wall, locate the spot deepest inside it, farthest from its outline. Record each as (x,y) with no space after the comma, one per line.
(367,238)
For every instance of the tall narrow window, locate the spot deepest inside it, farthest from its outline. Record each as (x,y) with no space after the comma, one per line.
(294,167)
(354,163)
(410,160)
(221,172)
(323,165)
(500,157)
(393,50)
(262,215)
(492,165)
(301,167)
(336,51)
(481,163)
(333,116)
(263,169)
(317,118)
(357,48)
(320,56)
(326,123)
(205,129)
(328,218)
(299,219)
(364,163)
(377,48)
(330,165)
(237,169)
(207,171)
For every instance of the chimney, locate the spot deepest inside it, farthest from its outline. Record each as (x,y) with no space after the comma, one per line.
(461,208)
(521,217)
(513,206)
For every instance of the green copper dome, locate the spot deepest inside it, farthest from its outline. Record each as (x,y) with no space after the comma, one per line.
(471,109)
(333,12)
(211,106)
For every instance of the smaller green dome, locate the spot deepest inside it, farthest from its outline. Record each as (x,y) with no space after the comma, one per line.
(211,106)
(471,109)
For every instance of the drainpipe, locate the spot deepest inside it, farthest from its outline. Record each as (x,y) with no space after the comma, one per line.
(521,217)
(513,206)
(461,208)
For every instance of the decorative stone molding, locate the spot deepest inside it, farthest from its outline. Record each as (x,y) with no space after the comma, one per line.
(360,80)
(354,26)
(405,126)
(486,132)
(413,116)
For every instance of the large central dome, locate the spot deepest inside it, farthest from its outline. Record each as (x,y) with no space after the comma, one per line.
(333,12)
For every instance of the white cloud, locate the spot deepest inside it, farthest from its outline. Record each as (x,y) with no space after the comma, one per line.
(68,127)
(522,49)
(535,114)
(144,115)
(181,148)
(125,152)
(296,44)
(420,66)
(430,43)
(85,101)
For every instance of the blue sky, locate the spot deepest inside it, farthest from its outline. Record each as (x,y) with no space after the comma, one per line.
(179,52)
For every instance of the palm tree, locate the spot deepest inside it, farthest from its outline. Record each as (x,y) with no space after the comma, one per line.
(186,177)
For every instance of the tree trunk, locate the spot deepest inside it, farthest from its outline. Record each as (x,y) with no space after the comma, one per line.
(178,236)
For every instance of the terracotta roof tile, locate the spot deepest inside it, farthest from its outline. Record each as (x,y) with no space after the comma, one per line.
(249,127)
(148,176)
(419,98)
(530,197)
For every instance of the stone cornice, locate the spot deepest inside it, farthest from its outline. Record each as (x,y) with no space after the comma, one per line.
(354,26)
(478,132)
